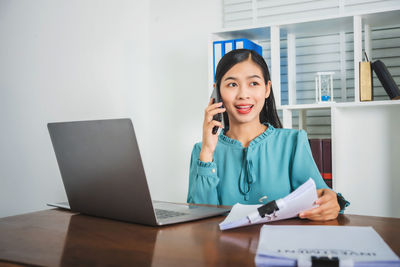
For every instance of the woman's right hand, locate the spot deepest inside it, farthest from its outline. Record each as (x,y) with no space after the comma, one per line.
(209,139)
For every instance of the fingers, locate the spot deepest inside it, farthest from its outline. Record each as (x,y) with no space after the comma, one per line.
(212,106)
(323,217)
(212,110)
(320,192)
(215,123)
(327,196)
(209,125)
(320,214)
(328,207)
(210,139)
(313,212)
(325,208)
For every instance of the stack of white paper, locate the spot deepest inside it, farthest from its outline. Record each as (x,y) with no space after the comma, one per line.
(295,245)
(302,199)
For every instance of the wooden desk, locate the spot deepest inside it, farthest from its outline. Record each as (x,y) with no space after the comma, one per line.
(56,237)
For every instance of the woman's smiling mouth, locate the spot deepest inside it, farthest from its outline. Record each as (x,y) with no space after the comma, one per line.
(244,109)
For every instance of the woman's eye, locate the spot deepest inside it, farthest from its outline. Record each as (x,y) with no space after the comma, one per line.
(254,83)
(231,84)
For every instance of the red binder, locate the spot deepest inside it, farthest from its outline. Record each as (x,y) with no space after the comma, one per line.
(327,159)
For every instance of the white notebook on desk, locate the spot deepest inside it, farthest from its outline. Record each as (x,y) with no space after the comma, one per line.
(295,245)
(302,199)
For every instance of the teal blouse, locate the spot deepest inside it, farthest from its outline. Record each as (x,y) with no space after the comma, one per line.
(274,164)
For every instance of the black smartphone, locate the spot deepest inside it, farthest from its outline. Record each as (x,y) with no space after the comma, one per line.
(218,117)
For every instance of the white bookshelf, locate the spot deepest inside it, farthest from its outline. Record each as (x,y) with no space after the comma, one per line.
(357,24)
(367,104)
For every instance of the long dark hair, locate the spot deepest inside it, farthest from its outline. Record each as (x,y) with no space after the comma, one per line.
(268,113)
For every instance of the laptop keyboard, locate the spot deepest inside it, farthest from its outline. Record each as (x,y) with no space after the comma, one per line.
(163,214)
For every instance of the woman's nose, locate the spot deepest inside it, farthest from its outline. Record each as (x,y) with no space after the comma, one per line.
(243,92)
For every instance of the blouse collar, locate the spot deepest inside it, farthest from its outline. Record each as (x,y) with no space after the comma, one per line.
(233,142)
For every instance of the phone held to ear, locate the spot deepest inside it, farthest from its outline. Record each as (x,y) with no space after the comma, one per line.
(218,117)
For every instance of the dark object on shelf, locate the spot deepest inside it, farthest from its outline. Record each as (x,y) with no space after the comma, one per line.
(316,150)
(322,153)
(327,159)
(386,79)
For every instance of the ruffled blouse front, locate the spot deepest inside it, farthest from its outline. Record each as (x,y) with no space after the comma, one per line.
(274,164)
(247,175)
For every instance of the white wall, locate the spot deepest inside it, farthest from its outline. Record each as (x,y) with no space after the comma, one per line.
(76,60)
(178,85)
(62,60)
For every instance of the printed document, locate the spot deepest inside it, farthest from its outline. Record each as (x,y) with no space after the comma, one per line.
(287,245)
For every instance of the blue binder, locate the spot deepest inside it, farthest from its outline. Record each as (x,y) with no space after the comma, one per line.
(220,48)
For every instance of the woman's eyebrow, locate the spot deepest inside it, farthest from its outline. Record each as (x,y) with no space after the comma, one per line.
(253,76)
(248,77)
(230,78)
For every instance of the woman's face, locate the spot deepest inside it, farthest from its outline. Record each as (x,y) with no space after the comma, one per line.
(243,91)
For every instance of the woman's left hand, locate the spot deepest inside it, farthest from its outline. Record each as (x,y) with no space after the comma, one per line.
(328,207)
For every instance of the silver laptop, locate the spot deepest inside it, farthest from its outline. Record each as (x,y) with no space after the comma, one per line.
(103,175)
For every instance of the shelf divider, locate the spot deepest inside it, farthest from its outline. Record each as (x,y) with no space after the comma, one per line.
(343,71)
(357,55)
(276,63)
(291,55)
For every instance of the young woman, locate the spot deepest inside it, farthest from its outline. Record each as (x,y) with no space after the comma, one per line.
(253,156)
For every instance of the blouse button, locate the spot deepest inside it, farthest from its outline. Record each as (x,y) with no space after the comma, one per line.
(213,170)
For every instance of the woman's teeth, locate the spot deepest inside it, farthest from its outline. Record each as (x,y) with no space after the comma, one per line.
(244,109)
